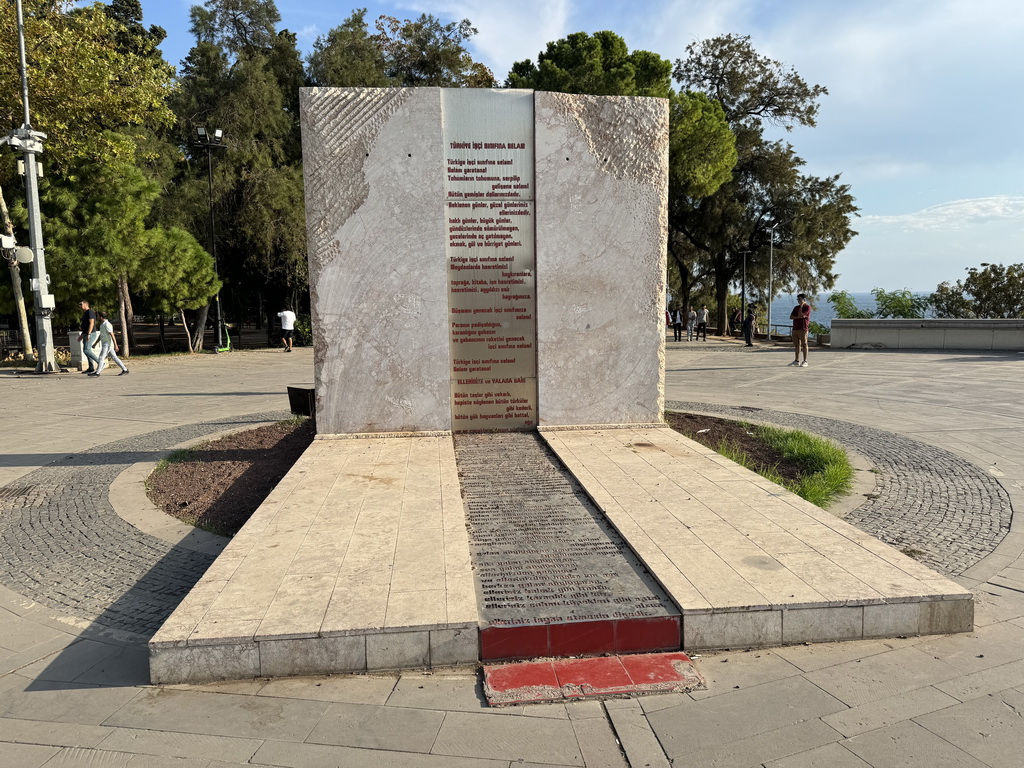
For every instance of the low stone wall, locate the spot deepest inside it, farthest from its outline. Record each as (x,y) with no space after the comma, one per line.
(929,334)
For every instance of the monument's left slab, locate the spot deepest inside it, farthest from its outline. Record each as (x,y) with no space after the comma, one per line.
(375,210)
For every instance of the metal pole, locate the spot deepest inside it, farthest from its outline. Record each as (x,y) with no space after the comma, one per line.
(743,297)
(771,274)
(31,144)
(213,246)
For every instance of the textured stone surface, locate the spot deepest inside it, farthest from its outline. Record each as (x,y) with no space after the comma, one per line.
(375,216)
(948,511)
(602,167)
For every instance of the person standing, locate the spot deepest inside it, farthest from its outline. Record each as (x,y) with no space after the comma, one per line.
(801,317)
(702,322)
(108,346)
(287,328)
(748,327)
(88,335)
(691,323)
(677,324)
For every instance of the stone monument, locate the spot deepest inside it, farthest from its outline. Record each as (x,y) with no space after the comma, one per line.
(485,259)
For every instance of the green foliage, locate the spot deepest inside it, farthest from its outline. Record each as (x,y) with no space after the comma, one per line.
(97,230)
(426,52)
(600,65)
(826,474)
(827,471)
(845,308)
(992,291)
(348,56)
(236,26)
(902,303)
(702,149)
(303,331)
(87,82)
(768,196)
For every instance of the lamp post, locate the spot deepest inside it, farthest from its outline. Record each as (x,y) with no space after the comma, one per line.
(771,272)
(30,143)
(743,295)
(213,140)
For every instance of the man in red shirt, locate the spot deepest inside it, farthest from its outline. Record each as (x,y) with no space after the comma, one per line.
(801,317)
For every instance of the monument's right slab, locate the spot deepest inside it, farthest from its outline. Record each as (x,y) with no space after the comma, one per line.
(602,182)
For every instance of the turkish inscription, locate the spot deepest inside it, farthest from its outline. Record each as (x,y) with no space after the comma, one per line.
(488,139)
(542,553)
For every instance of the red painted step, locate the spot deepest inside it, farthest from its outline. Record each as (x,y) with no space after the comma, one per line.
(599,677)
(582,638)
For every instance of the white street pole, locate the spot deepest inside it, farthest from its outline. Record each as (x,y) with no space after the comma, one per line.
(31,144)
(771,273)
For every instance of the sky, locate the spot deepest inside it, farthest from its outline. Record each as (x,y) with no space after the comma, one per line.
(923,117)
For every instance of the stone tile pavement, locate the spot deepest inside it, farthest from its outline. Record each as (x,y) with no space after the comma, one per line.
(73,692)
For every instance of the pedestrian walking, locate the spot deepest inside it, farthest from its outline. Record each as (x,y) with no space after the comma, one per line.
(677,324)
(287,328)
(88,334)
(702,322)
(691,323)
(107,342)
(801,317)
(748,327)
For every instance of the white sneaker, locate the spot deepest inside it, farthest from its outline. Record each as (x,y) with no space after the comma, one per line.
(795,362)
(803,364)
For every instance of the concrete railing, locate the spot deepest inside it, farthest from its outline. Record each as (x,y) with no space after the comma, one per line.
(929,334)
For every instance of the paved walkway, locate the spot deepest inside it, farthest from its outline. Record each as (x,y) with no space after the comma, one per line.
(73,692)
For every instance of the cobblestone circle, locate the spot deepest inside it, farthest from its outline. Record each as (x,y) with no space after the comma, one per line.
(63,545)
(929,502)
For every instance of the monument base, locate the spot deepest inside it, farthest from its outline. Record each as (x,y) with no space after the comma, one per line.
(360,560)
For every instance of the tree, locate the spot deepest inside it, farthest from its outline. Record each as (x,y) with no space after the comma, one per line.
(89,84)
(600,65)
(994,291)
(702,148)
(767,196)
(901,303)
(426,52)
(242,77)
(845,307)
(348,56)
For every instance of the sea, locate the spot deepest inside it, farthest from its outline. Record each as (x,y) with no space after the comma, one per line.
(821,311)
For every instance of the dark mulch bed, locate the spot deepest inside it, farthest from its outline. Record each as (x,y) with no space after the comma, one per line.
(711,432)
(226,480)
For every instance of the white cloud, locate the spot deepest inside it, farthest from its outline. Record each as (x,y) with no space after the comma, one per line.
(955,215)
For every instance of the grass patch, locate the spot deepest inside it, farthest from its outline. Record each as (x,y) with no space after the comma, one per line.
(811,467)
(179,456)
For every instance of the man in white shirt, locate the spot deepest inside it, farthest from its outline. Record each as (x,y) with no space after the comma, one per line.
(287,328)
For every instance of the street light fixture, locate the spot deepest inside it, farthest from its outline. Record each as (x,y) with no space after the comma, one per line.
(30,143)
(212,141)
(771,272)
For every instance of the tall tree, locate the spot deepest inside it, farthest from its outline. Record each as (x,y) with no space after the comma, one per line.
(702,149)
(242,77)
(599,64)
(88,85)
(348,56)
(768,208)
(993,291)
(426,52)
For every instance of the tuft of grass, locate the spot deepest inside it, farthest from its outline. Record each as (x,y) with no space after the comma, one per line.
(826,471)
(176,457)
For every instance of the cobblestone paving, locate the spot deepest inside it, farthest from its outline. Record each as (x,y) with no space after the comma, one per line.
(63,545)
(949,511)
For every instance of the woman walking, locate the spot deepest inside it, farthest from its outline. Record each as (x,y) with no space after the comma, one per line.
(108,346)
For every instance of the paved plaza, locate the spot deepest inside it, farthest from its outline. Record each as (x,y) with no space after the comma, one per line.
(81,589)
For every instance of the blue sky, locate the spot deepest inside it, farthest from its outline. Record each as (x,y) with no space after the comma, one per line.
(923,118)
